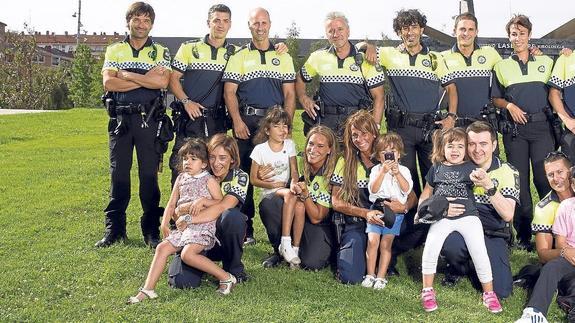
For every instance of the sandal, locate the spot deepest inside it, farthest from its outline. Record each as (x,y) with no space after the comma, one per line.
(226,286)
(148,293)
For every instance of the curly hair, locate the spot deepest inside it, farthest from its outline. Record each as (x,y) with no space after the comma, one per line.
(407,18)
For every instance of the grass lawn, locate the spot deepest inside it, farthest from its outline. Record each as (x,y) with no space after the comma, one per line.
(54,184)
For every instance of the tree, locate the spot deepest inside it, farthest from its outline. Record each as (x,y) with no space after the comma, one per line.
(84,80)
(26,84)
(293,43)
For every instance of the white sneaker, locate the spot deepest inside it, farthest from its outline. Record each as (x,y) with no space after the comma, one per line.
(368,281)
(289,254)
(380,283)
(531,315)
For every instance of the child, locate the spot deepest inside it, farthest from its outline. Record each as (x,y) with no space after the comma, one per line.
(388,180)
(274,149)
(194,184)
(450,177)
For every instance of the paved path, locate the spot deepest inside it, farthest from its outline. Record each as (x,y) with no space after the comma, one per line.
(16,111)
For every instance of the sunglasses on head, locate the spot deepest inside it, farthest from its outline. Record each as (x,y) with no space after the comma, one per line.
(555,153)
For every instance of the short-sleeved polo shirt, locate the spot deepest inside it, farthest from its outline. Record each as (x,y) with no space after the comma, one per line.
(564,224)
(362,180)
(472,76)
(563,79)
(415,80)
(524,84)
(544,213)
(342,82)
(202,66)
(507,178)
(260,75)
(122,56)
(236,185)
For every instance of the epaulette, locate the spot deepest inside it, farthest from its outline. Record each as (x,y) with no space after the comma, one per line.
(543,202)
(159,44)
(510,166)
(191,41)
(242,48)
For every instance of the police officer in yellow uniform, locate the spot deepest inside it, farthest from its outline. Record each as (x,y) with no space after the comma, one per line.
(256,78)
(521,89)
(201,111)
(415,74)
(134,72)
(470,68)
(562,98)
(496,197)
(347,82)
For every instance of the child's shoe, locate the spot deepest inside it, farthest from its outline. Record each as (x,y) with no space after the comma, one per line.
(289,254)
(368,281)
(148,293)
(428,300)
(226,286)
(491,301)
(380,283)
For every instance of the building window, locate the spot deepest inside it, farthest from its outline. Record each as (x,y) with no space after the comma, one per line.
(55,61)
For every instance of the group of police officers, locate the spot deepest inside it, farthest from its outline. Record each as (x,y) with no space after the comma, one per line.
(216,82)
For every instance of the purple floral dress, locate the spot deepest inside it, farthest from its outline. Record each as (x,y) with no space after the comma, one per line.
(191,189)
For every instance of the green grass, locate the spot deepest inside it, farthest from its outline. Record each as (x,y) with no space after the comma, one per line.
(54,185)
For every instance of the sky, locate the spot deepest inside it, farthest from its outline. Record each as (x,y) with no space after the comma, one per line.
(188,18)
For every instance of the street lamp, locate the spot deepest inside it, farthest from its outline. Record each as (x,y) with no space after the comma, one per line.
(79,15)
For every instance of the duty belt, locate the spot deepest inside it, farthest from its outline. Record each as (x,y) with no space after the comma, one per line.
(352,219)
(465,121)
(415,119)
(251,111)
(340,110)
(132,108)
(536,117)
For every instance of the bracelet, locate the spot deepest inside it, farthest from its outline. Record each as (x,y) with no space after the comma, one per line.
(453,115)
(303,197)
(507,106)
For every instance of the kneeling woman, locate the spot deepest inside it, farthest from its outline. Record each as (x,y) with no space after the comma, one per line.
(223,156)
(350,196)
(314,193)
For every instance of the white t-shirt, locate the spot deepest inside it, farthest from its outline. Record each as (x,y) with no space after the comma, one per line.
(389,186)
(263,155)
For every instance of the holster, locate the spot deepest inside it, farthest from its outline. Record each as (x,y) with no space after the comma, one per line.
(490,114)
(506,124)
(555,124)
(338,225)
(395,117)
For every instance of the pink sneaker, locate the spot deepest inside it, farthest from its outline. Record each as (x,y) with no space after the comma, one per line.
(428,300)
(491,301)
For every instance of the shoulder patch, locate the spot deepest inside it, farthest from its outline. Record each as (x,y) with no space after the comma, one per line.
(242,179)
(167,54)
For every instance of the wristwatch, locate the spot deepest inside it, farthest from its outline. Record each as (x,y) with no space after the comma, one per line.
(490,192)
(186,100)
(187,218)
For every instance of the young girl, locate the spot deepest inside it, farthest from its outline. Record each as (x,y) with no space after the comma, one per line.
(450,177)
(194,184)
(274,149)
(388,180)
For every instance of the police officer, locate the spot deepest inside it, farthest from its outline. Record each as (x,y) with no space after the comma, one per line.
(496,195)
(415,74)
(201,110)
(522,91)
(256,79)
(346,81)
(557,170)
(470,67)
(135,70)
(562,98)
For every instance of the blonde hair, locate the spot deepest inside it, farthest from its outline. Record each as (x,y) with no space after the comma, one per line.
(444,137)
(363,121)
(329,164)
